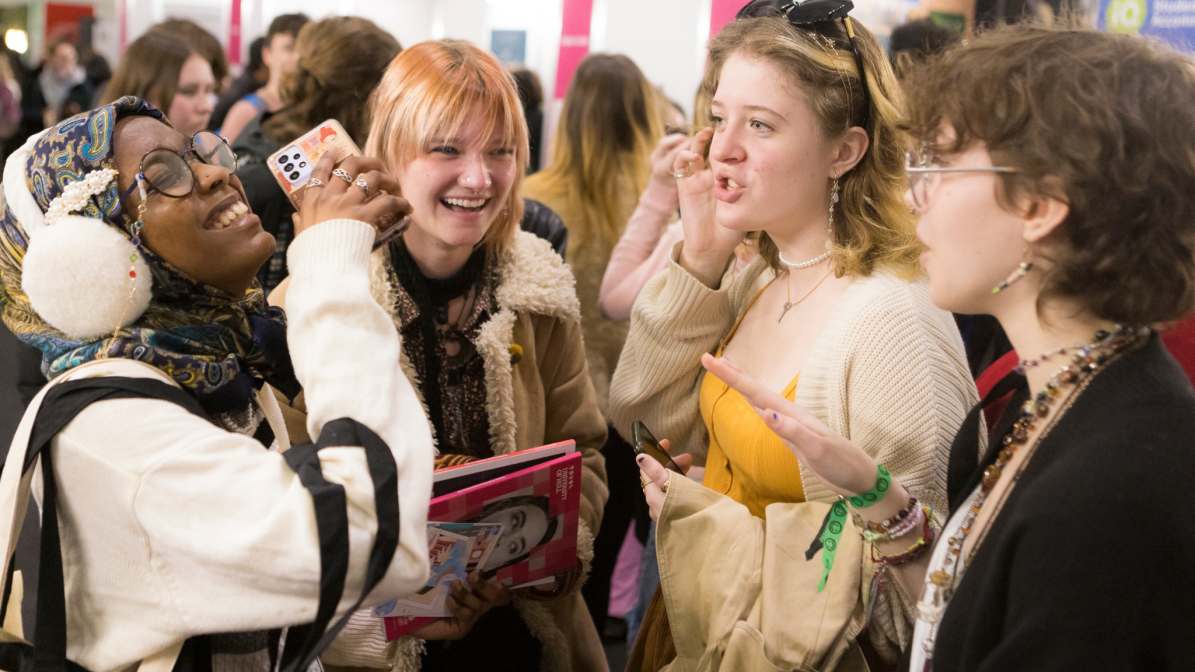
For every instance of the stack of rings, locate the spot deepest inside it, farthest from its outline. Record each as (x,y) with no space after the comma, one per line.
(643,483)
(344,175)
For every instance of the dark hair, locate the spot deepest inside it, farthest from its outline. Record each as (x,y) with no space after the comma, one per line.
(256,63)
(341,61)
(149,69)
(1100,121)
(916,41)
(540,502)
(202,42)
(531,92)
(287,24)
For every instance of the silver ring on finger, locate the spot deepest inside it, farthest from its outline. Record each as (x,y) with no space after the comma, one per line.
(343,174)
(681,176)
(363,184)
(315,182)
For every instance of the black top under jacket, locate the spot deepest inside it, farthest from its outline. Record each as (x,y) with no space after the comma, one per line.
(1089,566)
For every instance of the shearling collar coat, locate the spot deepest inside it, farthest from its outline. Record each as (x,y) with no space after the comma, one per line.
(542,396)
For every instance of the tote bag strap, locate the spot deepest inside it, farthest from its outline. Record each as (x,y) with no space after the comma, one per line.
(52,410)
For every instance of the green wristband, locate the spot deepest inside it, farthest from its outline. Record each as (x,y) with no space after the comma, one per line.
(877,492)
(835,521)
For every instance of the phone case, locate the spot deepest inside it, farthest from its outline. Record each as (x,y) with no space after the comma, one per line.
(292,165)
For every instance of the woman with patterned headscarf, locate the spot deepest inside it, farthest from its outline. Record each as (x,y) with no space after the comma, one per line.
(127,256)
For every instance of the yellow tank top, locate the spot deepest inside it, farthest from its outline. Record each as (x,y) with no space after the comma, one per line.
(746,461)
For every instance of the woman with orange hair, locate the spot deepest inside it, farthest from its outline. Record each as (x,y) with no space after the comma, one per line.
(491,333)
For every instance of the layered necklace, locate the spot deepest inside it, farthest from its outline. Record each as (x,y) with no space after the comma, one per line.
(1083,364)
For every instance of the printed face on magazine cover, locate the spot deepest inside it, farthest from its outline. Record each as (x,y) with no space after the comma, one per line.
(526,524)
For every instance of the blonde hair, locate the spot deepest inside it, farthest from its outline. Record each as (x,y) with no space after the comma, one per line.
(872,225)
(429,91)
(611,121)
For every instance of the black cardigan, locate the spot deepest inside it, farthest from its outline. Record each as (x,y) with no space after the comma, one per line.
(1091,563)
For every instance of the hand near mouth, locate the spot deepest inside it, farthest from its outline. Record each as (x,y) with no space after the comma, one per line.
(344,199)
(708,245)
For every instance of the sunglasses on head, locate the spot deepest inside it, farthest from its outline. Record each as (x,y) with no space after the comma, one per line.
(818,17)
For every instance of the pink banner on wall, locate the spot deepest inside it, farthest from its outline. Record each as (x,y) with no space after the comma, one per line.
(574,41)
(234,33)
(122,32)
(722,12)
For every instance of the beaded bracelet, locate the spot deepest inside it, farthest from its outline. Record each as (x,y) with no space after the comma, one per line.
(887,524)
(905,526)
(915,551)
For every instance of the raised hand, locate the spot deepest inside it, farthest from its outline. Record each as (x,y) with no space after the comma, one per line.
(843,466)
(337,198)
(663,158)
(708,245)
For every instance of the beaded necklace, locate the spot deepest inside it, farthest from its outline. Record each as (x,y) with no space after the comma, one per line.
(1080,369)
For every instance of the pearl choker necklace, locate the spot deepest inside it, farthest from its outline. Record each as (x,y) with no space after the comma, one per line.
(804,264)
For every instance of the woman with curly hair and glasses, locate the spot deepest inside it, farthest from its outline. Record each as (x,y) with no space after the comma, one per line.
(1053,177)
(834,315)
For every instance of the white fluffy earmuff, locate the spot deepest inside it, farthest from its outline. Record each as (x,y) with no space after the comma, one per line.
(76,270)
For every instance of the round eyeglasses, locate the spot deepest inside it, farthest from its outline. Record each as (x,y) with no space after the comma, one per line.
(924,176)
(166,172)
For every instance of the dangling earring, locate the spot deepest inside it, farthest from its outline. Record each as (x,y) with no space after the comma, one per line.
(1021,271)
(830,226)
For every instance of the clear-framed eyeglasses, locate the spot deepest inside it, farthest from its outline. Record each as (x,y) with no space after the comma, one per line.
(924,176)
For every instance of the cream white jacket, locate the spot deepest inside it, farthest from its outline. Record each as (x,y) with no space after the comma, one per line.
(173,527)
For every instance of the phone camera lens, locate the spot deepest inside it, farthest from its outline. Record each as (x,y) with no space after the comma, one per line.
(298,156)
(302,164)
(294,177)
(288,167)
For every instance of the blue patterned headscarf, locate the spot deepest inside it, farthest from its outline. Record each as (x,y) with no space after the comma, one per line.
(218,346)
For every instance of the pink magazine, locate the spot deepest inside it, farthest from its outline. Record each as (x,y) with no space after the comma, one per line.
(539,507)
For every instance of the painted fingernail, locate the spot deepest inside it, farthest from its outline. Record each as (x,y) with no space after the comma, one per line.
(775,417)
(639,459)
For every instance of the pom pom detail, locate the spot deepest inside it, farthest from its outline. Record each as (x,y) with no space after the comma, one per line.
(77,278)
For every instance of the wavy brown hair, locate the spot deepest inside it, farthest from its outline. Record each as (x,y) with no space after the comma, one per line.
(1102,122)
(872,225)
(341,61)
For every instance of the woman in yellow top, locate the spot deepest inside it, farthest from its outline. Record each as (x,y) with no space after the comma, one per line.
(835,313)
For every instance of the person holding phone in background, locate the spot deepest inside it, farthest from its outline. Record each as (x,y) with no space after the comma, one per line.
(834,313)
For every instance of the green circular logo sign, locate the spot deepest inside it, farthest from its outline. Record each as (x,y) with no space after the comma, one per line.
(1125,16)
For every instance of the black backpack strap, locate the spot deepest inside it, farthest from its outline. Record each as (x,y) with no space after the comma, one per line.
(332,523)
(66,400)
(60,406)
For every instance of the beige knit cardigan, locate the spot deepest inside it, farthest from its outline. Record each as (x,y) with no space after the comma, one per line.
(888,372)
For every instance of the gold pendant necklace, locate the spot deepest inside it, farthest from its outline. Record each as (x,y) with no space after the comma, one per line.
(788,304)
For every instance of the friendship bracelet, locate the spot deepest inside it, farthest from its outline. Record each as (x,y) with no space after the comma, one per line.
(915,551)
(831,532)
(887,524)
(904,527)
